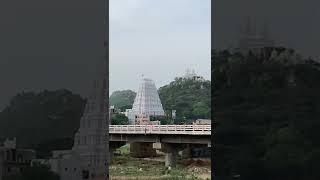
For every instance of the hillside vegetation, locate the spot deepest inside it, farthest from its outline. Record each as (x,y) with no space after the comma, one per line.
(42,120)
(266,114)
(190,97)
(122,99)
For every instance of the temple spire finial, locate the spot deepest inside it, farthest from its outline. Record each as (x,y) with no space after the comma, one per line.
(265,32)
(248,29)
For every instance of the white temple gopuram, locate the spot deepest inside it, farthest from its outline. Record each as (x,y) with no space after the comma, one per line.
(147,101)
(88,158)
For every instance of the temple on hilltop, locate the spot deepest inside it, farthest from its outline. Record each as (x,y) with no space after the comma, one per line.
(147,103)
(190,74)
(253,40)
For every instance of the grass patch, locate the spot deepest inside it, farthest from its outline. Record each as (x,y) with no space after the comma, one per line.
(126,166)
(124,150)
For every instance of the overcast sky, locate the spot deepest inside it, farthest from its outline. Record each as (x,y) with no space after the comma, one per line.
(49,44)
(53,44)
(159,39)
(292,23)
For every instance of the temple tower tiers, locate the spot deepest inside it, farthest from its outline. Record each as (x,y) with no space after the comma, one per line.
(253,40)
(147,101)
(90,140)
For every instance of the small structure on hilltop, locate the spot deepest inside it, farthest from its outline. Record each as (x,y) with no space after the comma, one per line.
(13,160)
(190,74)
(252,40)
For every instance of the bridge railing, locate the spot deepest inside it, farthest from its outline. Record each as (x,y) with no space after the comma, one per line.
(161,129)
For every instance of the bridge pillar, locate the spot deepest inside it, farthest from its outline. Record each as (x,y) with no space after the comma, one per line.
(142,150)
(171,151)
(186,153)
(171,158)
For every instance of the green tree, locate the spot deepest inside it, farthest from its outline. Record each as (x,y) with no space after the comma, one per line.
(37,118)
(122,99)
(190,97)
(266,112)
(119,119)
(201,110)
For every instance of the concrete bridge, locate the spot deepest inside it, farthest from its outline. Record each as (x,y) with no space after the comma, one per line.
(161,129)
(168,138)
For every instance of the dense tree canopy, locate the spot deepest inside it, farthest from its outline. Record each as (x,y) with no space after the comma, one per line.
(266,112)
(190,97)
(122,99)
(119,119)
(37,118)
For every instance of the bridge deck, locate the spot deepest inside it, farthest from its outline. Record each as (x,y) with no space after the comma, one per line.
(161,129)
